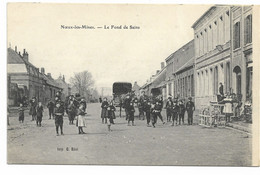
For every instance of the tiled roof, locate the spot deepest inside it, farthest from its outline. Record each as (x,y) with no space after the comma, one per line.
(13,57)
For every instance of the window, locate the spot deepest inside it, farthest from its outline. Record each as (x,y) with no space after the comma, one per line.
(248,29)
(236,39)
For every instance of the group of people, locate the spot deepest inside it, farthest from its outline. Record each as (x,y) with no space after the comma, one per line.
(149,108)
(75,107)
(108,112)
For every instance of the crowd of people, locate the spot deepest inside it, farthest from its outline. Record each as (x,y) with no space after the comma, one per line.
(149,108)
(74,106)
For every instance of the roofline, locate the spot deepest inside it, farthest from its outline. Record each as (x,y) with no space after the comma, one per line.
(178,49)
(204,14)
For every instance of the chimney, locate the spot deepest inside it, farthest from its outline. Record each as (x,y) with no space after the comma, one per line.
(162,65)
(42,70)
(63,78)
(49,75)
(15,49)
(25,55)
(19,53)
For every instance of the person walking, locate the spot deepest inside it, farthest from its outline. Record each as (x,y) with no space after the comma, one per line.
(181,112)
(169,105)
(131,110)
(50,107)
(39,113)
(110,115)
(58,113)
(33,105)
(147,110)
(156,112)
(72,110)
(190,107)
(21,113)
(104,106)
(141,109)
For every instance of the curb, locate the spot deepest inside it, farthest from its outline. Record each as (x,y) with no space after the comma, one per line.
(239,127)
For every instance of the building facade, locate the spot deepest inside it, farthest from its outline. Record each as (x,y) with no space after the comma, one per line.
(26,81)
(242,61)
(66,89)
(212,54)
(180,72)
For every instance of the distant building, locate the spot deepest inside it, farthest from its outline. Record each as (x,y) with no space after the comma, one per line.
(26,81)
(156,81)
(180,72)
(65,86)
(136,89)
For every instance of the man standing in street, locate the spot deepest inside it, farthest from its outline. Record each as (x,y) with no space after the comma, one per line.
(190,107)
(50,106)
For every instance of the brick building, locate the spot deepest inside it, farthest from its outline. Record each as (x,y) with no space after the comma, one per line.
(26,81)
(180,70)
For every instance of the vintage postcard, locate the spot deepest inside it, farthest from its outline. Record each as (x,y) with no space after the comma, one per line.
(132,84)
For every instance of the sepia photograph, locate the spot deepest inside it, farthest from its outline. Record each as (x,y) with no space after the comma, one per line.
(131,84)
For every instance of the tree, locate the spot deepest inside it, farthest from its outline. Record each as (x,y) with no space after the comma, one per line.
(83,83)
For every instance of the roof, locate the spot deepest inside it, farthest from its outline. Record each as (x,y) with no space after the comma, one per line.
(49,80)
(180,49)
(13,57)
(186,65)
(198,20)
(163,83)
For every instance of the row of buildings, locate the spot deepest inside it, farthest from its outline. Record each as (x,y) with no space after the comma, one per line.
(220,52)
(26,81)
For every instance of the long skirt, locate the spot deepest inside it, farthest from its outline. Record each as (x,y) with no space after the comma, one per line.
(80,121)
(104,113)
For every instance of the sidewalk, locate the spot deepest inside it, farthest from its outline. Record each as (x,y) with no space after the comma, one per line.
(240,125)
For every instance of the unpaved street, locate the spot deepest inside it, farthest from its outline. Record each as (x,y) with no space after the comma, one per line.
(125,145)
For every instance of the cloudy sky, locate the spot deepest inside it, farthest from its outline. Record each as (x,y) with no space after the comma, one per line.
(109,54)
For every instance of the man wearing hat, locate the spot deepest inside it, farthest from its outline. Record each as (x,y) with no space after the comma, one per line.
(190,107)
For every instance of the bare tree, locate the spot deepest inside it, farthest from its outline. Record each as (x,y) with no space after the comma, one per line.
(83,82)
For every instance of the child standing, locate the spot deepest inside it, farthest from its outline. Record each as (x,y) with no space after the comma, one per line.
(182,112)
(169,109)
(58,113)
(110,115)
(175,112)
(80,122)
(39,111)
(131,113)
(21,113)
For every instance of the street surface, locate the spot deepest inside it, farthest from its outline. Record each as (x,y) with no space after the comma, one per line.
(125,145)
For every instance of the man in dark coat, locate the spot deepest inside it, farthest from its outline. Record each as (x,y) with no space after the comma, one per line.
(126,105)
(168,106)
(39,113)
(182,112)
(147,110)
(50,106)
(104,107)
(33,105)
(58,113)
(175,112)
(190,107)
